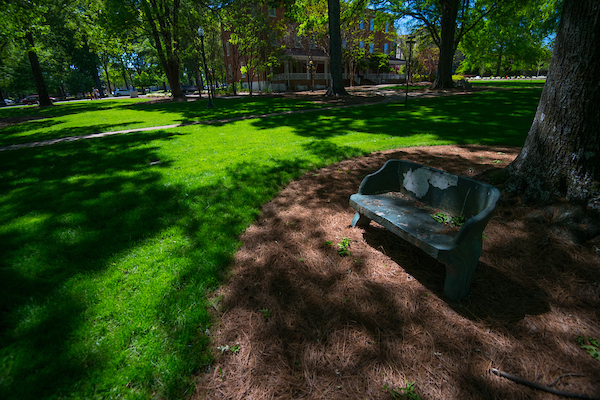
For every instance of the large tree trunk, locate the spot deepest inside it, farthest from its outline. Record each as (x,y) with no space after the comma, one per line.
(561,156)
(38,77)
(335,49)
(449,9)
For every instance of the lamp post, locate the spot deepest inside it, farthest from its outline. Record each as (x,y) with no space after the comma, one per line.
(409,42)
(311,69)
(201,34)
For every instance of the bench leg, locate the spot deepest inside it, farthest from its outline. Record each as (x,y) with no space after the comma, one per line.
(360,221)
(460,266)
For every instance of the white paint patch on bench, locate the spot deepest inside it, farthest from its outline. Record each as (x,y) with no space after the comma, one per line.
(443,181)
(418,181)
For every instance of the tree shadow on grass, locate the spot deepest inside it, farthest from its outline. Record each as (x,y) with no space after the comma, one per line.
(66,210)
(176,112)
(78,220)
(487,118)
(18,134)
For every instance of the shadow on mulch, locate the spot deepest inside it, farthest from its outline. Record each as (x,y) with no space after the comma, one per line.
(297,320)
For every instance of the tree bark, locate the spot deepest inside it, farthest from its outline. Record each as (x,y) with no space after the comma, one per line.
(443,79)
(38,77)
(335,49)
(561,155)
(164,32)
(105,66)
(499,63)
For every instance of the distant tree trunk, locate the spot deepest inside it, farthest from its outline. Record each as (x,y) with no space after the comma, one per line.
(249,79)
(38,77)
(499,63)
(105,66)
(335,49)
(443,79)
(124,72)
(98,82)
(163,24)
(561,155)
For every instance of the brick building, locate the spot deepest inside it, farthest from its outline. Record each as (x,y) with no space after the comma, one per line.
(294,71)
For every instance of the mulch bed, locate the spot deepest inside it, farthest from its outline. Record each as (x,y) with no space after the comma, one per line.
(301,321)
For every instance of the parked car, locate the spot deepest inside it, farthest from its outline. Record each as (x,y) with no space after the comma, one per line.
(121,92)
(188,89)
(8,102)
(34,99)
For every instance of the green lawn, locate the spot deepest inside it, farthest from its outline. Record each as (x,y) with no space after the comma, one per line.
(111,246)
(87,117)
(510,84)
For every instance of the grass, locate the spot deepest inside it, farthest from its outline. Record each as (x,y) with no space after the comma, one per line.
(510,84)
(87,117)
(110,247)
(502,84)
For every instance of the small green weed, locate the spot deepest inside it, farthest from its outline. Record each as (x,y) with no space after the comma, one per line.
(405,393)
(344,247)
(265,312)
(591,348)
(234,349)
(447,219)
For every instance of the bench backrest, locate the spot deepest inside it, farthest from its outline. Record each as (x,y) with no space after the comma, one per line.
(455,195)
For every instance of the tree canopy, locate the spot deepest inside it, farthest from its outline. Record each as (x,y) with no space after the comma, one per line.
(516,37)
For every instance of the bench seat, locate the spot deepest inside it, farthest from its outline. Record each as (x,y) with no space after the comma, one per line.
(401,197)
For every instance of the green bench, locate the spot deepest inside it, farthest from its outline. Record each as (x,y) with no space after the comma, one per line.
(410,199)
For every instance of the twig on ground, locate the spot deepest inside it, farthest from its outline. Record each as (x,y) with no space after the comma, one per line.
(541,387)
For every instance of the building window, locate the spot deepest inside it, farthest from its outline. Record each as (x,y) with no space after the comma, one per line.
(387,27)
(273,38)
(361,44)
(297,43)
(372,25)
(272,12)
(386,48)
(371,48)
(228,48)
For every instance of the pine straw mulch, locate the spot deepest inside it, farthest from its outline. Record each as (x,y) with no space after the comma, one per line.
(302,321)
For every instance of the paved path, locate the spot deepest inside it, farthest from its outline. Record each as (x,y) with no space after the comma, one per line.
(389,96)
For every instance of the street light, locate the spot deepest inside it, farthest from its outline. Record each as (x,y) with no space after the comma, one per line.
(201,34)
(311,69)
(409,42)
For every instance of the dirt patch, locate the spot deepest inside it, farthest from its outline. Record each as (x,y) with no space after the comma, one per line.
(301,321)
